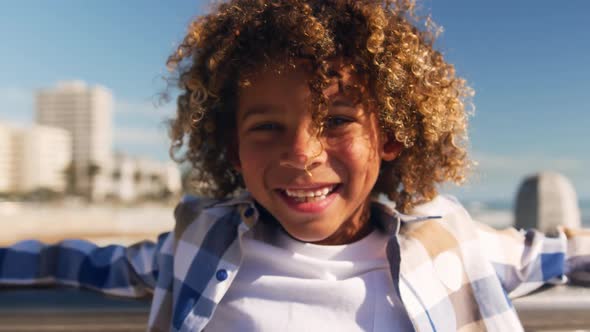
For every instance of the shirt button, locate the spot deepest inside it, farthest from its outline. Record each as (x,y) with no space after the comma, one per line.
(249,212)
(221,275)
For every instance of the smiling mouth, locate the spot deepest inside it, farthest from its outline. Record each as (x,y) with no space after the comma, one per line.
(309,195)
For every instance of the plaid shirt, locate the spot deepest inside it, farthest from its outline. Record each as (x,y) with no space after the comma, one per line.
(451,273)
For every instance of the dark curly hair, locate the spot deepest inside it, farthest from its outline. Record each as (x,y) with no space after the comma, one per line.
(419,99)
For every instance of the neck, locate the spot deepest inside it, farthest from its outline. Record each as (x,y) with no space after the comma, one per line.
(357,227)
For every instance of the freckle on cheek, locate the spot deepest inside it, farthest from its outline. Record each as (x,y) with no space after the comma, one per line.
(354,150)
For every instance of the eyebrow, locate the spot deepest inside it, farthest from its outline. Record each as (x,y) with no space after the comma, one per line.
(259,109)
(342,103)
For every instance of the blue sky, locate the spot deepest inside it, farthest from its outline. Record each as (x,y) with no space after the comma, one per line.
(528,61)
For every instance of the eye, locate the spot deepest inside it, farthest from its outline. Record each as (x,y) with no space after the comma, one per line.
(334,122)
(269,126)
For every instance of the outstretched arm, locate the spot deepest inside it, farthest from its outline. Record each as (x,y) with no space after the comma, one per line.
(526,260)
(124,271)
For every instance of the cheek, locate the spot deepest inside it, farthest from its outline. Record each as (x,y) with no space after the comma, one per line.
(357,152)
(254,160)
(249,151)
(358,162)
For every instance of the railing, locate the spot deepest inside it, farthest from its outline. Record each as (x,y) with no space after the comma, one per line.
(561,308)
(65,309)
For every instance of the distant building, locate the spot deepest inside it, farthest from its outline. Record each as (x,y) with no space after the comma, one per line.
(33,158)
(135,178)
(8,162)
(46,152)
(86,113)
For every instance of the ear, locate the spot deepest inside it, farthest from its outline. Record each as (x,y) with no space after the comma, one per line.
(391,149)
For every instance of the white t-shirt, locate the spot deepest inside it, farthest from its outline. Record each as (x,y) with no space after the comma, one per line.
(287,285)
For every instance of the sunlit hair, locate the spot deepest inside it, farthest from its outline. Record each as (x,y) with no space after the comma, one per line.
(418,97)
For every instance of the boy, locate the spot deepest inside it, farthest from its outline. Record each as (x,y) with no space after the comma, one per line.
(315,108)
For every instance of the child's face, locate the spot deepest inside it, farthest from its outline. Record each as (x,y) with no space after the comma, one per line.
(284,162)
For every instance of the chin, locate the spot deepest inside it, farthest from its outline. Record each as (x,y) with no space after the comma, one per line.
(310,235)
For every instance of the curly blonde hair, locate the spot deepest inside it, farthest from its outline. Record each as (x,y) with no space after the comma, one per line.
(420,100)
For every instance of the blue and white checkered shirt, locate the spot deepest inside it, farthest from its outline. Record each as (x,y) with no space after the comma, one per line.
(450,273)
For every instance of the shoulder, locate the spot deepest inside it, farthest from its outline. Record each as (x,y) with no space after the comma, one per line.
(189,208)
(206,210)
(441,205)
(453,219)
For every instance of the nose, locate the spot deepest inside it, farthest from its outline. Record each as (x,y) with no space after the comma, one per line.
(304,150)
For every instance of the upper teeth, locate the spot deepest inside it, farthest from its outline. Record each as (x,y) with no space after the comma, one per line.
(308,193)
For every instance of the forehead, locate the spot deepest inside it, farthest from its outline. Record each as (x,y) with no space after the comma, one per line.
(292,80)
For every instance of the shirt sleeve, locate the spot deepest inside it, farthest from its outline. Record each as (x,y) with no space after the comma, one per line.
(578,256)
(526,260)
(118,270)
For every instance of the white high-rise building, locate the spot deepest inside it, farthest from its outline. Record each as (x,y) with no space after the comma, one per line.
(86,113)
(45,153)
(8,162)
(33,158)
